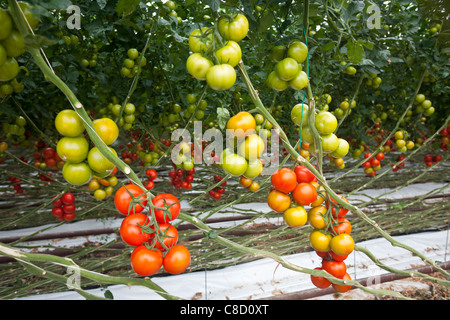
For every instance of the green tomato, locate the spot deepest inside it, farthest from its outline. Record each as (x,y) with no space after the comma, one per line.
(221,77)
(230,53)
(300,81)
(296,114)
(198,66)
(252,147)
(98,162)
(200,40)
(330,142)
(14,44)
(72,149)
(278,53)
(342,149)
(3,55)
(77,173)
(298,51)
(325,122)
(133,53)
(9,69)
(232,163)
(68,123)
(274,82)
(254,169)
(6,24)
(234,29)
(287,69)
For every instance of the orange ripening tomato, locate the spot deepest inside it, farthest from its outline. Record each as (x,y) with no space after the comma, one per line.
(342,287)
(284,180)
(278,201)
(124,195)
(343,226)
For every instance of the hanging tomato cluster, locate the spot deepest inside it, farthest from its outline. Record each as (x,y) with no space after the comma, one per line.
(206,46)
(64,207)
(372,165)
(153,236)
(330,237)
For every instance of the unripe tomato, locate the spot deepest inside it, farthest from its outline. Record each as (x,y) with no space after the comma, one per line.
(198,66)
(107,129)
(298,51)
(3,55)
(254,169)
(252,147)
(234,29)
(278,201)
(6,24)
(342,244)
(199,40)
(9,69)
(320,241)
(284,180)
(221,77)
(232,163)
(98,162)
(274,82)
(330,143)
(73,149)
(277,53)
(287,69)
(68,123)
(14,44)
(342,149)
(316,217)
(295,217)
(77,173)
(242,124)
(299,114)
(230,53)
(325,122)
(300,81)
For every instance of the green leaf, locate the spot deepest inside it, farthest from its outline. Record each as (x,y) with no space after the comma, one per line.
(355,52)
(125,7)
(36,41)
(222,117)
(265,22)
(214,4)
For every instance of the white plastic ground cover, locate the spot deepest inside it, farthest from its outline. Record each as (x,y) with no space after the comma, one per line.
(265,277)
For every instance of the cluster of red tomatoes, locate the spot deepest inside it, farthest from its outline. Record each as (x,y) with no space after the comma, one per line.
(152,235)
(64,207)
(200,65)
(400,165)
(181,178)
(372,165)
(15,182)
(47,157)
(432,159)
(331,235)
(218,191)
(445,138)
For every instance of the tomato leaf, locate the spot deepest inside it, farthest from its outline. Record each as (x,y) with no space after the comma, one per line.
(222,117)
(355,52)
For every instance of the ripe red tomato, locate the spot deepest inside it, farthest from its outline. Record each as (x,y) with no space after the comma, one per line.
(167,233)
(342,287)
(57,212)
(320,282)
(170,203)
(336,268)
(122,199)
(177,260)
(131,231)
(343,226)
(304,194)
(284,180)
(278,201)
(146,262)
(151,174)
(342,211)
(68,198)
(336,257)
(304,174)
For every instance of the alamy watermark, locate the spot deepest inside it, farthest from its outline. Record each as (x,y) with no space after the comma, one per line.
(74,20)
(374,20)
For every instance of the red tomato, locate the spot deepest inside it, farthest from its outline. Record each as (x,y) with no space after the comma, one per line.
(146,262)
(303,174)
(68,208)
(68,198)
(336,257)
(177,260)
(336,268)
(284,180)
(131,231)
(151,174)
(167,233)
(342,287)
(320,282)
(122,199)
(304,193)
(380,156)
(170,203)
(57,212)
(342,211)
(343,226)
